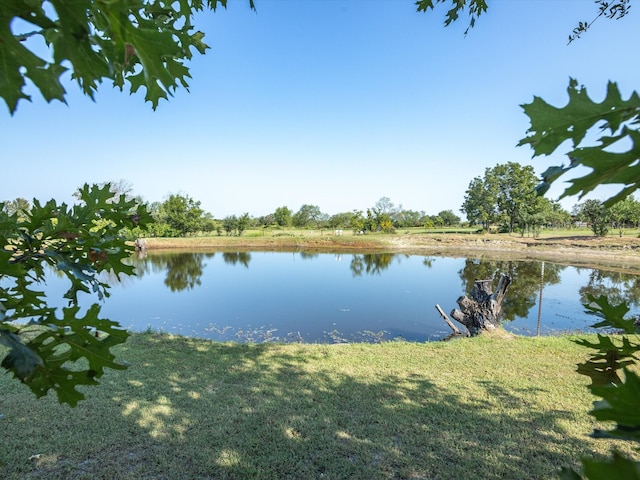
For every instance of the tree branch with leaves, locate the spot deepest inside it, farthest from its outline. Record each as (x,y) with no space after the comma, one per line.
(47,351)
(614,158)
(145,43)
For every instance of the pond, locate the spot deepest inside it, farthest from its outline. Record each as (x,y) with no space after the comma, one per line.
(339,297)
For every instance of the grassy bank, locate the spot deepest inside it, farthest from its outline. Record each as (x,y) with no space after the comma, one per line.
(474,408)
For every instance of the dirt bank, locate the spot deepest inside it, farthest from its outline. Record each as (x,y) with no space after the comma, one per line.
(620,253)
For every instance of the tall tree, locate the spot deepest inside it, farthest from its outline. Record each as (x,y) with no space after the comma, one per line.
(506,191)
(385,205)
(182,213)
(307,215)
(516,195)
(282,216)
(480,203)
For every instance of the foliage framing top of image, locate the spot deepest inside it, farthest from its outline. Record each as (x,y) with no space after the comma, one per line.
(145,42)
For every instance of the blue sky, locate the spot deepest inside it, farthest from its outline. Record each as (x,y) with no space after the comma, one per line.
(334,103)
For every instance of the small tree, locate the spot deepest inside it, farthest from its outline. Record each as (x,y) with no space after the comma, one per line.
(622,213)
(358,222)
(595,214)
(19,206)
(242,223)
(182,214)
(449,218)
(282,216)
(230,224)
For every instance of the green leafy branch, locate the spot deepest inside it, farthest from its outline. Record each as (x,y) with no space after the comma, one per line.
(80,242)
(143,42)
(475,9)
(608,160)
(612,370)
(613,159)
(612,11)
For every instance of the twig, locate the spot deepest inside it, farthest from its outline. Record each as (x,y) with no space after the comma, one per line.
(446,319)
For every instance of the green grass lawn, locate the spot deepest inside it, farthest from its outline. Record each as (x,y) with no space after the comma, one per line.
(474,408)
(457,230)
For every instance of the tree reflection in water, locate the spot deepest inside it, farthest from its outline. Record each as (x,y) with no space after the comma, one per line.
(183,270)
(525,281)
(234,258)
(618,287)
(341,294)
(370,263)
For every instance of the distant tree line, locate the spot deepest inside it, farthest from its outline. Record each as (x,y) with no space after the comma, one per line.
(181,215)
(384,216)
(502,200)
(621,215)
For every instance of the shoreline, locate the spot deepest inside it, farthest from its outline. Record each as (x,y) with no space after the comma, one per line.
(620,253)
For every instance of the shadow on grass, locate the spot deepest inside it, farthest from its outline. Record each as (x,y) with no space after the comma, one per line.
(207,410)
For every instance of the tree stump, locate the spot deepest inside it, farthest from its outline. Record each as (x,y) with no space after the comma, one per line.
(482,311)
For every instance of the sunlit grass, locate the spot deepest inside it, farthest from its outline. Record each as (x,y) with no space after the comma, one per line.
(188,408)
(403,239)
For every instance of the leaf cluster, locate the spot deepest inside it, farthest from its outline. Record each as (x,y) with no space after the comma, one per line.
(612,369)
(145,43)
(614,159)
(610,160)
(475,9)
(611,10)
(80,242)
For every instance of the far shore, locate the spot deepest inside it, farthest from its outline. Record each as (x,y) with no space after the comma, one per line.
(579,250)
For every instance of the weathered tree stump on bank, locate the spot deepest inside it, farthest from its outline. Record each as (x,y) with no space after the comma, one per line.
(482,311)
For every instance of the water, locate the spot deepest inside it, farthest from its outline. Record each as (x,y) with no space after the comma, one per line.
(279,296)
